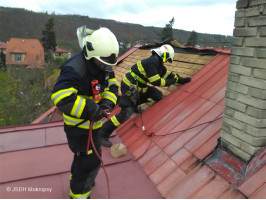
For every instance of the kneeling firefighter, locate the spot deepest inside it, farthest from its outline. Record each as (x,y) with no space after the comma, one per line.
(85,88)
(135,90)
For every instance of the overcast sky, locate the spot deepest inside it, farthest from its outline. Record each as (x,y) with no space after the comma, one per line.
(203,16)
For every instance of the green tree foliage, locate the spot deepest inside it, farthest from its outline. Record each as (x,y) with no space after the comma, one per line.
(167,32)
(49,39)
(2,60)
(9,90)
(23,94)
(193,39)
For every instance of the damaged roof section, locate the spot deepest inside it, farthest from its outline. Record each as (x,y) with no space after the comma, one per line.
(185,64)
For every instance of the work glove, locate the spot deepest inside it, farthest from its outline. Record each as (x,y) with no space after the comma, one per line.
(171,81)
(106,108)
(106,105)
(98,115)
(182,80)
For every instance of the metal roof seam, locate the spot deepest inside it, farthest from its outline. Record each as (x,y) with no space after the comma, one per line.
(39,176)
(152,135)
(30,127)
(208,122)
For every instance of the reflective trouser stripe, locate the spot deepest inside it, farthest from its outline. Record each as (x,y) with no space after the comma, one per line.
(79,196)
(89,152)
(115,121)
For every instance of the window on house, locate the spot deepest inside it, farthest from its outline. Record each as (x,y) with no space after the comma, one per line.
(36,57)
(18,57)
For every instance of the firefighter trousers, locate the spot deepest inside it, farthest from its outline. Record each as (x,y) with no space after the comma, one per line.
(85,167)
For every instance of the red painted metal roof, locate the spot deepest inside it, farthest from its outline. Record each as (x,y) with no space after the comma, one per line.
(37,156)
(171,159)
(182,130)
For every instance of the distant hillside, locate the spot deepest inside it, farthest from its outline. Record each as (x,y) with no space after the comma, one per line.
(22,23)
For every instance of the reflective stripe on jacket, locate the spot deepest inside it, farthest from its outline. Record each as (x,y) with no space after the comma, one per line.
(150,70)
(72,121)
(72,93)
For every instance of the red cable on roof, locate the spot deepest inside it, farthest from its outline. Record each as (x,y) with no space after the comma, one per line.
(152,134)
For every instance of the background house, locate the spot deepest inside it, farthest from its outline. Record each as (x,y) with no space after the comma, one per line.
(2,47)
(27,53)
(2,53)
(62,53)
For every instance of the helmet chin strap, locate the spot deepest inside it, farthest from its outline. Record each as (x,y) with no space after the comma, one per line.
(103,66)
(106,68)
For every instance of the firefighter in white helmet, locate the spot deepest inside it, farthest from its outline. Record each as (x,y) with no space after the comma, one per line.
(135,89)
(82,101)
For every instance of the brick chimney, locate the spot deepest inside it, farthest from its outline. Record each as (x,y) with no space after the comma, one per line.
(244,121)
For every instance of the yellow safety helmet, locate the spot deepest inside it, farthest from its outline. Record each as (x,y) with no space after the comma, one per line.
(102,45)
(166,52)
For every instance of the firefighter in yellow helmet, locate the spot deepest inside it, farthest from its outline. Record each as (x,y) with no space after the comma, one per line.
(74,95)
(135,89)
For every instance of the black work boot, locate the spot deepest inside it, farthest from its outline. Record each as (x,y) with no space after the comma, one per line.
(106,142)
(138,110)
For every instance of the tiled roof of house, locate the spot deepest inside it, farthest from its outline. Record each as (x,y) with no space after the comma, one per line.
(2,45)
(17,49)
(32,48)
(60,50)
(171,159)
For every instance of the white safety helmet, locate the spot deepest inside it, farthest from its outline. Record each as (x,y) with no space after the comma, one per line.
(102,45)
(166,52)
